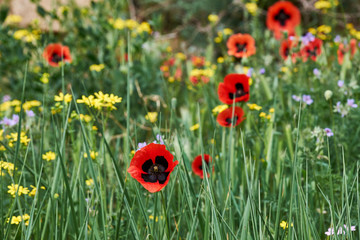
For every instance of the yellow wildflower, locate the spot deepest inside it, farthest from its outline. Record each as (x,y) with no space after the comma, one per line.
(45,78)
(213,18)
(218,39)
(272,110)
(262,114)
(131,24)
(61,97)
(284,224)
(254,106)
(220,60)
(97,67)
(118,24)
(195,127)
(13,188)
(15,220)
(322,5)
(144,27)
(6,166)
(312,31)
(32,193)
(89,182)
(93,155)
(151,116)
(252,8)
(228,31)
(171,79)
(12,137)
(56,195)
(13,19)
(94,128)
(219,108)
(180,56)
(49,156)
(86,118)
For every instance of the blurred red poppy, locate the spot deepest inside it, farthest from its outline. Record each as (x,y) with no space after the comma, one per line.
(283,16)
(235,86)
(197,165)
(241,45)
(151,166)
(342,50)
(286,49)
(55,53)
(227,119)
(311,50)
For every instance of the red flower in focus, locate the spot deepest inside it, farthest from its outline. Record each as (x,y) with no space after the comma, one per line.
(241,45)
(55,53)
(312,50)
(342,50)
(197,165)
(198,61)
(151,166)
(285,49)
(235,86)
(283,16)
(226,119)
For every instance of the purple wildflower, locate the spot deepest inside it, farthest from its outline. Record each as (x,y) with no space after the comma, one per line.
(250,71)
(307,99)
(262,71)
(141,145)
(296,98)
(351,103)
(307,38)
(340,230)
(340,83)
(328,132)
(316,72)
(30,113)
(337,39)
(159,139)
(6,98)
(10,121)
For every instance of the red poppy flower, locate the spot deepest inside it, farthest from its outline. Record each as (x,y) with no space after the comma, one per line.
(226,119)
(235,86)
(197,165)
(283,16)
(312,50)
(55,53)
(285,49)
(241,45)
(342,50)
(151,166)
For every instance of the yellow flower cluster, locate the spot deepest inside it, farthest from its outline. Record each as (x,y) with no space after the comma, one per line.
(93,155)
(48,156)
(100,100)
(12,137)
(61,97)
(321,32)
(267,116)
(221,35)
(26,35)
(17,105)
(9,167)
(254,106)
(218,109)
(89,182)
(97,67)
(13,19)
(45,78)
(32,193)
(86,118)
(251,8)
(324,5)
(195,127)
(353,31)
(151,116)
(207,72)
(19,219)
(134,26)
(284,225)
(13,188)
(213,18)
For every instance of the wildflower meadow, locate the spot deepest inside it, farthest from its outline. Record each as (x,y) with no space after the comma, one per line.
(234,119)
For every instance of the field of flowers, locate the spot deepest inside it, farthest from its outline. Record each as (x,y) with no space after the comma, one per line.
(181,120)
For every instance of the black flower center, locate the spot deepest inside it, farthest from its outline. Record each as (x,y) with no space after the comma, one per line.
(201,166)
(240,47)
(155,171)
(239,91)
(312,53)
(56,58)
(282,17)
(228,120)
(286,51)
